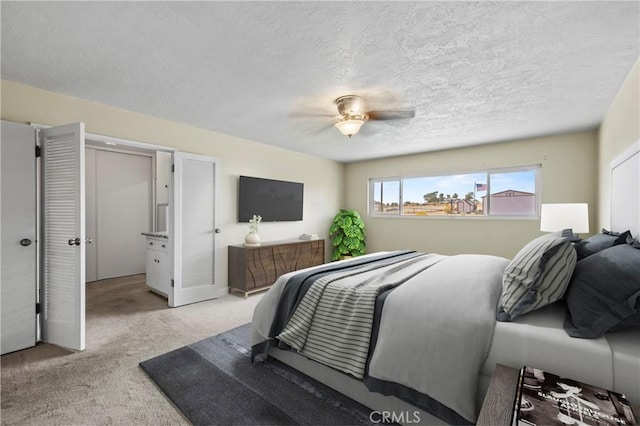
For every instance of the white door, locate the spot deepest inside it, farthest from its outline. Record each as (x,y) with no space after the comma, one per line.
(90,252)
(192,231)
(63,232)
(18,259)
(124,184)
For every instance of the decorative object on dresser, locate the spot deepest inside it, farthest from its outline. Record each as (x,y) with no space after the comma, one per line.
(252,239)
(308,237)
(158,265)
(254,269)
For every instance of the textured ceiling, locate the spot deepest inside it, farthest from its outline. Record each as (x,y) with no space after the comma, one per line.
(476,72)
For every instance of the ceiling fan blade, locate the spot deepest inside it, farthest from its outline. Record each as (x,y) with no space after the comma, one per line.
(310,114)
(391,114)
(320,130)
(313,129)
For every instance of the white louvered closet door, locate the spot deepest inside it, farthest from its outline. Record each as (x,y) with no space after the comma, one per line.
(193,229)
(63,251)
(18,266)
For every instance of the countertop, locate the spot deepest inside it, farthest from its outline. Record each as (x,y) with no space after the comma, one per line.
(156,235)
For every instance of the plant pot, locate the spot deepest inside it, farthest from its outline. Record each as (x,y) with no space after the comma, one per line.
(252,239)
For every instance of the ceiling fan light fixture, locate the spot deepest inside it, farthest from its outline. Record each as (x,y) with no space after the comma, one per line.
(349,127)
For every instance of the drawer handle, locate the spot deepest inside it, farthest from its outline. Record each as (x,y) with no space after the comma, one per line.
(150,244)
(164,245)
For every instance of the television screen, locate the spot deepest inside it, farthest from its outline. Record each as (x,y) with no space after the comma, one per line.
(274,200)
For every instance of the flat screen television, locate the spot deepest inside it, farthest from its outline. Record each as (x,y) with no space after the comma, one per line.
(274,200)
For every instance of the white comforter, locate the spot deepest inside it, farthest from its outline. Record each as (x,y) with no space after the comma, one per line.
(435,332)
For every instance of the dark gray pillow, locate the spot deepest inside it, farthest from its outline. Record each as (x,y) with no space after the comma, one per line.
(538,275)
(604,293)
(599,242)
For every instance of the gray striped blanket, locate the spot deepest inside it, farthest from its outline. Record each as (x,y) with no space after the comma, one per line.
(334,320)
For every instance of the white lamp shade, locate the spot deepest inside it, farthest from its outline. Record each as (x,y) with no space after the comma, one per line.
(559,216)
(349,127)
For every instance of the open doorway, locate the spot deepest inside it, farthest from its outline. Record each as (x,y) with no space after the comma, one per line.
(118,205)
(127,195)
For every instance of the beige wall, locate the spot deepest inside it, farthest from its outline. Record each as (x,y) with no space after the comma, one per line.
(562,180)
(568,175)
(619,129)
(323,188)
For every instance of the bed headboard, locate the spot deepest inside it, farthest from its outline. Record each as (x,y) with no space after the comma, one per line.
(625,191)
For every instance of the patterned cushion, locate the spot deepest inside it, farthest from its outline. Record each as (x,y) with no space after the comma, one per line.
(538,275)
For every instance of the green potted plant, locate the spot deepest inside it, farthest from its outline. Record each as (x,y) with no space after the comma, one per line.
(347,234)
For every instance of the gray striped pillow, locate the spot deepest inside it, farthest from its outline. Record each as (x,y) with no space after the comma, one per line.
(538,275)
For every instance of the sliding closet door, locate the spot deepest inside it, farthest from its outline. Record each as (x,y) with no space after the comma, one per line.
(18,260)
(193,230)
(63,231)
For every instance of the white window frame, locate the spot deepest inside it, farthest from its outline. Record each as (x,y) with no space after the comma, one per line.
(371,196)
(537,168)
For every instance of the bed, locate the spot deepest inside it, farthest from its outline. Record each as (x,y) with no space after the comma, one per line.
(416,334)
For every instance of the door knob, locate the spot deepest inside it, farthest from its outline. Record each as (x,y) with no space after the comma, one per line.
(25,242)
(88,240)
(74,242)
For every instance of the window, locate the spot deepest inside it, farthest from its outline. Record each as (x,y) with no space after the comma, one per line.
(503,192)
(386,198)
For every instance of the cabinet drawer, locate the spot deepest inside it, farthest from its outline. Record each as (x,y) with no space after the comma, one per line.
(159,244)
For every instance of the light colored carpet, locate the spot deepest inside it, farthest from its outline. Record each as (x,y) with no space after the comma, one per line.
(125,324)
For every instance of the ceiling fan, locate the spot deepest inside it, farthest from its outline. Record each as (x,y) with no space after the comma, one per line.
(353,113)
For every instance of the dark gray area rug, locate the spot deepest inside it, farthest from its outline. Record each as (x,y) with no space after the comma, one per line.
(214,382)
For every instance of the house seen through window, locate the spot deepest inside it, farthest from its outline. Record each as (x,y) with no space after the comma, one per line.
(502,192)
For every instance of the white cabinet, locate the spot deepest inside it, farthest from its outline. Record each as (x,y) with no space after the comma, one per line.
(163,183)
(158,270)
(163,177)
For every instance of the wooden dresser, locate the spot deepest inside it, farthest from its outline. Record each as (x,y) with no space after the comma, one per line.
(254,269)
